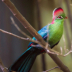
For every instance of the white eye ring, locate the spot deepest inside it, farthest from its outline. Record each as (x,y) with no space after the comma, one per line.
(60,17)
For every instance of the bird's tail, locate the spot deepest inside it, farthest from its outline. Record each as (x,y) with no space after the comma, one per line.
(25,61)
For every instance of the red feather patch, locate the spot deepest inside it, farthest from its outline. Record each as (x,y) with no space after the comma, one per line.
(57,11)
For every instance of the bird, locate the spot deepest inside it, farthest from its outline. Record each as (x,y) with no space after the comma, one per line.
(25,61)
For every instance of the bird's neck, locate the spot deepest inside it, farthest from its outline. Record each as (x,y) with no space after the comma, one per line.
(53,21)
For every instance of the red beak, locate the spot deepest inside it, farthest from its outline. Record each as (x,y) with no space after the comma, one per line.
(66,17)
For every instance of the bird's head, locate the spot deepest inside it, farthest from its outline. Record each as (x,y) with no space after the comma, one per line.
(58,13)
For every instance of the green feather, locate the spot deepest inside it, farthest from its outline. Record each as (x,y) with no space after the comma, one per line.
(55,31)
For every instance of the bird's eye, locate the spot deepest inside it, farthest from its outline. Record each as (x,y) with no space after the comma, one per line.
(59,17)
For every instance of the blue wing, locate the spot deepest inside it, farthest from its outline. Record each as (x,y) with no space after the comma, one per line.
(43,32)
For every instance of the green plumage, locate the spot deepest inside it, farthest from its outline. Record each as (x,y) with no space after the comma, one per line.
(55,31)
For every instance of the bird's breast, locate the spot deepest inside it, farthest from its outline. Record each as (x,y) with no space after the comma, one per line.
(55,33)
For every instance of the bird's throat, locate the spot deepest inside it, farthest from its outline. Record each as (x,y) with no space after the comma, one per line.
(52,21)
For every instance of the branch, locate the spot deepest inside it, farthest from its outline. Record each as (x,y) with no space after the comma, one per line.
(30,39)
(18,36)
(13,22)
(34,33)
(51,69)
(40,45)
(3,68)
(23,21)
(48,50)
(39,24)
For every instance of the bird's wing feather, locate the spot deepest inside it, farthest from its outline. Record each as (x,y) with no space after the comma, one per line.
(43,32)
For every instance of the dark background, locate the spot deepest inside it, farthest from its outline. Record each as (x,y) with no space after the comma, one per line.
(38,14)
